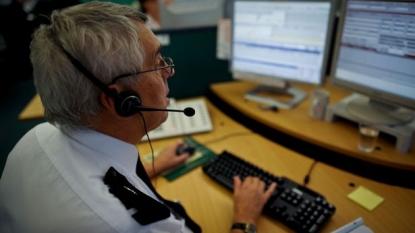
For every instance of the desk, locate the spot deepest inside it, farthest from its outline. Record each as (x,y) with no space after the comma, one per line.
(210,205)
(337,136)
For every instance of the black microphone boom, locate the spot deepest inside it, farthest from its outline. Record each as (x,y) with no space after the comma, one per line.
(187,111)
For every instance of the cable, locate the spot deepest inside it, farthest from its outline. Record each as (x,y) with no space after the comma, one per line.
(227,136)
(151,147)
(207,142)
(268,107)
(307,177)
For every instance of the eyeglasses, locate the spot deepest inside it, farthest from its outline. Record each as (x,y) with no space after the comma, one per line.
(165,64)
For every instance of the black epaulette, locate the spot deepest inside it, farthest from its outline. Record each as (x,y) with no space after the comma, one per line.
(148,209)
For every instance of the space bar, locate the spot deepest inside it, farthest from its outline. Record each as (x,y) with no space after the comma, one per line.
(225,181)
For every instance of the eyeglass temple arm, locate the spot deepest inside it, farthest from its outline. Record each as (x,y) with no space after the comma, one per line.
(142,72)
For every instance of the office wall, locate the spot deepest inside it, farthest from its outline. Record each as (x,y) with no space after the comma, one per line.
(194,54)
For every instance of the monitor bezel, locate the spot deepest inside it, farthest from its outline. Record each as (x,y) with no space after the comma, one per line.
(376,95)
(279,81)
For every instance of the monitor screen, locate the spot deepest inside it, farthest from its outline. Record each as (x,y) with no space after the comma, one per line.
(277,42)
(375,57)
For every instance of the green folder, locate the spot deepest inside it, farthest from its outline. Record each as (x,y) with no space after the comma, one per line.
(203,155)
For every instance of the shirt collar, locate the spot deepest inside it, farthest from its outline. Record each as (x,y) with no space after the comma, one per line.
(125,154)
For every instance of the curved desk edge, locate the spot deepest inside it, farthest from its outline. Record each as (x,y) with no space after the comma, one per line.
(380,172)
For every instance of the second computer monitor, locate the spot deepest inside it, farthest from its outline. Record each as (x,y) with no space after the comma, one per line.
(374,57)
(278,42)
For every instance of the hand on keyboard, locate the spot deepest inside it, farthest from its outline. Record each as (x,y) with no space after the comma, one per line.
(299,208)
(249,198)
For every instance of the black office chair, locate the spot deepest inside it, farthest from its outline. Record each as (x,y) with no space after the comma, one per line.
(15,31)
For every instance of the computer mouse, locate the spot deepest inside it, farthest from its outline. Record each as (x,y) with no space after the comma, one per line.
(185,148)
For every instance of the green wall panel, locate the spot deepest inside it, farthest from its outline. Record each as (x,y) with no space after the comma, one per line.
(194,55)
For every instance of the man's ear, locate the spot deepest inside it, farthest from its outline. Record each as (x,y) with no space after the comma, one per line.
(108,101)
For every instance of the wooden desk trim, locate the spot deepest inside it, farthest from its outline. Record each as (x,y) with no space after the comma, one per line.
(232,93)
(295,122)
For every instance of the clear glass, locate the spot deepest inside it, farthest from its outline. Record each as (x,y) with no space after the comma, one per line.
(368,135)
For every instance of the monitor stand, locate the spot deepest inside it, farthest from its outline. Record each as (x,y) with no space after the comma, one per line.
(398,122)
(270,96)
(368,110)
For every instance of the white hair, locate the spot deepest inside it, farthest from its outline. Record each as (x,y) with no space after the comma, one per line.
(103,37)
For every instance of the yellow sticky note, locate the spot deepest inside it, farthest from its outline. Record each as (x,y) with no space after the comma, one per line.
(366,198)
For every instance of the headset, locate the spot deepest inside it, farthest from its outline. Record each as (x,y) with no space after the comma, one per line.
(127,103)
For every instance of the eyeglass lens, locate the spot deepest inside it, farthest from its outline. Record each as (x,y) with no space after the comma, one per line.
(168,62)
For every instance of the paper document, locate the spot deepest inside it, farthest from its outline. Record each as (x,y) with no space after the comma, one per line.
(357,226)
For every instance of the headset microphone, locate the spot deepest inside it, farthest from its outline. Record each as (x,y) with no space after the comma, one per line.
(187,111)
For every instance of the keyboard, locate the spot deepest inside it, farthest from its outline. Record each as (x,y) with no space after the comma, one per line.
(297,207)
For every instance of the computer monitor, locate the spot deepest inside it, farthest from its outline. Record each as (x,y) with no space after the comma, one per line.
(275,43)
(185,14)
(374,58)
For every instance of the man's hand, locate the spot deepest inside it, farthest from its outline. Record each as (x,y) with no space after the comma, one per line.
(249,198)
(167,159)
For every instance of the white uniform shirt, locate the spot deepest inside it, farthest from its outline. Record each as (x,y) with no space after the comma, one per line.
(53,182)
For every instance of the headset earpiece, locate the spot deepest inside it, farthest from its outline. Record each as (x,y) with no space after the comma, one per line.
(126,103)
